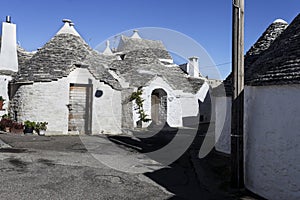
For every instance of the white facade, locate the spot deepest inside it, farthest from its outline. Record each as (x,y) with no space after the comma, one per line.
(179,103)
(8,55)
(47,101)
(272,139)
(174,111)
(223,124)
(4,79)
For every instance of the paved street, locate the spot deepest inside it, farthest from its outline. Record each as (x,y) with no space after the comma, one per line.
(94,167)
(61,168)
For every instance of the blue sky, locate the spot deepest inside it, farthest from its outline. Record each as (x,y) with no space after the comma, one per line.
(206,22)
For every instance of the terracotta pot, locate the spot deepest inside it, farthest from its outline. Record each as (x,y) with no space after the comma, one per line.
(1,105)
(7,129)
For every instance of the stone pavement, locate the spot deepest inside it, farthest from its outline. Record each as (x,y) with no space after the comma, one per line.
(99,151)
(206,178)
(4,145)
(187,178)
(61,167)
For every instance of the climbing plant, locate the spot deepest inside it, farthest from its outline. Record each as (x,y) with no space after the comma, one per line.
(139,102)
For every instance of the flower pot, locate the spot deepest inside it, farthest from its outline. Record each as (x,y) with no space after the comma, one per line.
(7,129)
(42,132)
(139,124)
(1,105)
(28,130)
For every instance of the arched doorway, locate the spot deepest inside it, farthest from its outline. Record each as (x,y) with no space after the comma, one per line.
(159,106)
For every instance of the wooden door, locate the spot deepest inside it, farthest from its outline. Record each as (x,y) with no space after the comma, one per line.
(159,106)
(155,108)
(80,108)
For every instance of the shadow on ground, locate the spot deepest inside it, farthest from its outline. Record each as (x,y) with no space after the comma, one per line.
(188,177)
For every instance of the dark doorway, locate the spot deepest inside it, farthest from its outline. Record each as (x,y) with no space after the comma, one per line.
(159,106)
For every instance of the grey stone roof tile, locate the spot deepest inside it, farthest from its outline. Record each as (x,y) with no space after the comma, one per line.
(140,71)
(280,63)
(61,55)
(141,64)
(155,47)
(260,46)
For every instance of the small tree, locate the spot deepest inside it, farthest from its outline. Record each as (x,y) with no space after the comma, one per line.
(139,102)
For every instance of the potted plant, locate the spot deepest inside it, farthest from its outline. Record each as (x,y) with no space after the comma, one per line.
(29,127)
(6,123)
(137,96)
(17,128)
(1,102)
(41,128)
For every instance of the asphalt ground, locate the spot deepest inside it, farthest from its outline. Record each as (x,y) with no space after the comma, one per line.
(109,167)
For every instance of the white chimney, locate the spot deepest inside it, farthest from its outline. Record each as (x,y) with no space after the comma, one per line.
(8,54)
(193,67)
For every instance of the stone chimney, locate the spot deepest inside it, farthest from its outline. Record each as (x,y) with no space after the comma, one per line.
(193,67)
(8,54)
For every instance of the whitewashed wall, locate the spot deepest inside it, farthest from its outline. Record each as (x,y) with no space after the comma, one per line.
(45,102)
(179,104)
(174,112)
(272,139)
(189,105)
(4,79)
(107,110)
(48,102)
(223,124)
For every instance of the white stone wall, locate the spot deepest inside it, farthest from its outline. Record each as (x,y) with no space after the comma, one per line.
(174,112)
(4,79)
(272,139)
(179,104)
(107,110)
(189,105)
(45,102)
(223,124)
(48,102)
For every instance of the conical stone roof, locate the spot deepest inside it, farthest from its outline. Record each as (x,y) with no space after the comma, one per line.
(261,45)
(153,48)
(62,54)
(280,63)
